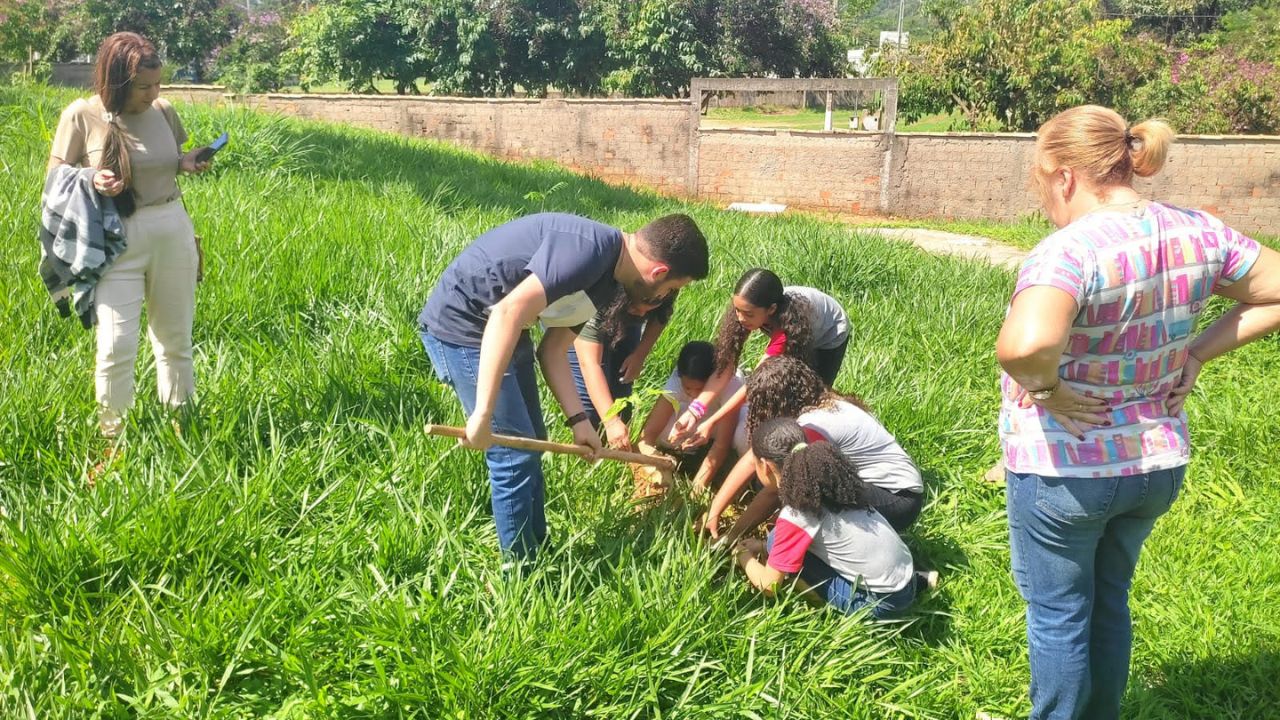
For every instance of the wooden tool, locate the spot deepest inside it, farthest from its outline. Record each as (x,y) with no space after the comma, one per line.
(666,464)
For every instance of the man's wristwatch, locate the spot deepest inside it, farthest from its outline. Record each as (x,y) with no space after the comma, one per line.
(575,419)
(1046,393)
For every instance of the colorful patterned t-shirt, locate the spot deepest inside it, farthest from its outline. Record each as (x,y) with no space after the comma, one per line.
(1140,279)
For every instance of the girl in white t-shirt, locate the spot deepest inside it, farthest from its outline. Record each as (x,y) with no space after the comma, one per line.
(844,552)
(694,367)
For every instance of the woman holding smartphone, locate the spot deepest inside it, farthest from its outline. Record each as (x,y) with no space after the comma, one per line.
(135,140)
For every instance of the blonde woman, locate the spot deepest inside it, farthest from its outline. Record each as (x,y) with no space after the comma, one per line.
(135,140)
(1100,352)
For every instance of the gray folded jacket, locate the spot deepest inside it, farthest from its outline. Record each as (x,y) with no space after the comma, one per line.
(81,234)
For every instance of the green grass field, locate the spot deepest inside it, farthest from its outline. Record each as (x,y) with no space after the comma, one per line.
(300,549)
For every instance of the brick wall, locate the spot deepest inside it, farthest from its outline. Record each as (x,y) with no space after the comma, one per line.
(969,175)
(650,142)
(839,173)
(194,93)
(643,142)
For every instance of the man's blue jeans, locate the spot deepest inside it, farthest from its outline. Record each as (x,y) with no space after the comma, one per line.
(1074,544)
(515,476)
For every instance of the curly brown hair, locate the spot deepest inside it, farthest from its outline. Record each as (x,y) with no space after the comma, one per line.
(787,387)
(615,318)
(815,477)
(792,314)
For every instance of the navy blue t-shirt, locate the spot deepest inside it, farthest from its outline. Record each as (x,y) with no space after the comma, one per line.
(571,255)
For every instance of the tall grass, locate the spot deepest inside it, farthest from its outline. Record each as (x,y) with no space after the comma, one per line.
(298,548)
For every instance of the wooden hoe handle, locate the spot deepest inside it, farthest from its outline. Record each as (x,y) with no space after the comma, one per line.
(523,443)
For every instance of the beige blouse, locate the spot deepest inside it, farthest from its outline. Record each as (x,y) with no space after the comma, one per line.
(155,138)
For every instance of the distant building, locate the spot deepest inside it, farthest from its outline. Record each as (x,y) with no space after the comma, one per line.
(860,60)
(893,39)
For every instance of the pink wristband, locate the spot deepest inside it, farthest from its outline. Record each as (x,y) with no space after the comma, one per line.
(698,409)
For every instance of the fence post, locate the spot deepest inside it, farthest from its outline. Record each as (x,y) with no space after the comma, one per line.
(827,125)
(695,121)
(889,136)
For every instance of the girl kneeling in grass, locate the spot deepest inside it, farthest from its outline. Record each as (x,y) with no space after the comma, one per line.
(845,553)
(786,387)
(800,322)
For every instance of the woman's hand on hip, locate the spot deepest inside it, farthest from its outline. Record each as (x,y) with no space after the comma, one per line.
(1178,395)
(1075,412)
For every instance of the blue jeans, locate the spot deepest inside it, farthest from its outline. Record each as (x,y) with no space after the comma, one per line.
(611,361)
(515,476)
(849,596)
(1074,544)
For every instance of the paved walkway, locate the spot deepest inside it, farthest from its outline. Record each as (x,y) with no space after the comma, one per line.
(948,243)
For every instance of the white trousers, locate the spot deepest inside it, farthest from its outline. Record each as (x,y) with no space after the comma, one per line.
(158,266)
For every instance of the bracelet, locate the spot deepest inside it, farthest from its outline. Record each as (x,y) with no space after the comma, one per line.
(698,408)
(575,419)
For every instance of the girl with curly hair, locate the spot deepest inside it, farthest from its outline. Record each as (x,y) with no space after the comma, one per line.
(845,553)
(786,387)
(799,321)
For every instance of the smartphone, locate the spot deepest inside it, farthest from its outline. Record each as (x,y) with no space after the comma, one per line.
(207,152)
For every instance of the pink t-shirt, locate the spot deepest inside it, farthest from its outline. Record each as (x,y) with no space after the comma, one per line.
(1140,279)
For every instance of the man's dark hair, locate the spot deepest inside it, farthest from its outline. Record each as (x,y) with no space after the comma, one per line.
(676,241)
(697,360)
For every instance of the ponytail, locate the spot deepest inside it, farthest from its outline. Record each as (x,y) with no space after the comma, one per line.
(1100,147)
(1150,146)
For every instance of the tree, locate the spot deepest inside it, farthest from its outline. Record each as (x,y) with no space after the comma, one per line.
(251,61)
(36,26)
(780,38)
(356,42)
(1021,61)
(493,47)
(660,45)
(185,33)
(1174,21)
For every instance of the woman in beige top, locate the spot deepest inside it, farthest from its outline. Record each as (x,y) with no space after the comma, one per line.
(135,140)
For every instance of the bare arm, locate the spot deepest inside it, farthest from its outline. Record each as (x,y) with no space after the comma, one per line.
(688,420)
(1030,347)
(591,363)
(553,356)
(1256,315)
(1034,336)
(507,319)
(720,446)
(728,410)
(762,507)
(633,364)
(762,576)
(656,422)
(738,477)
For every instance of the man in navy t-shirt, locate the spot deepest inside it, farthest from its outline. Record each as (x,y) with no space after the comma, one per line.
(558,269)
